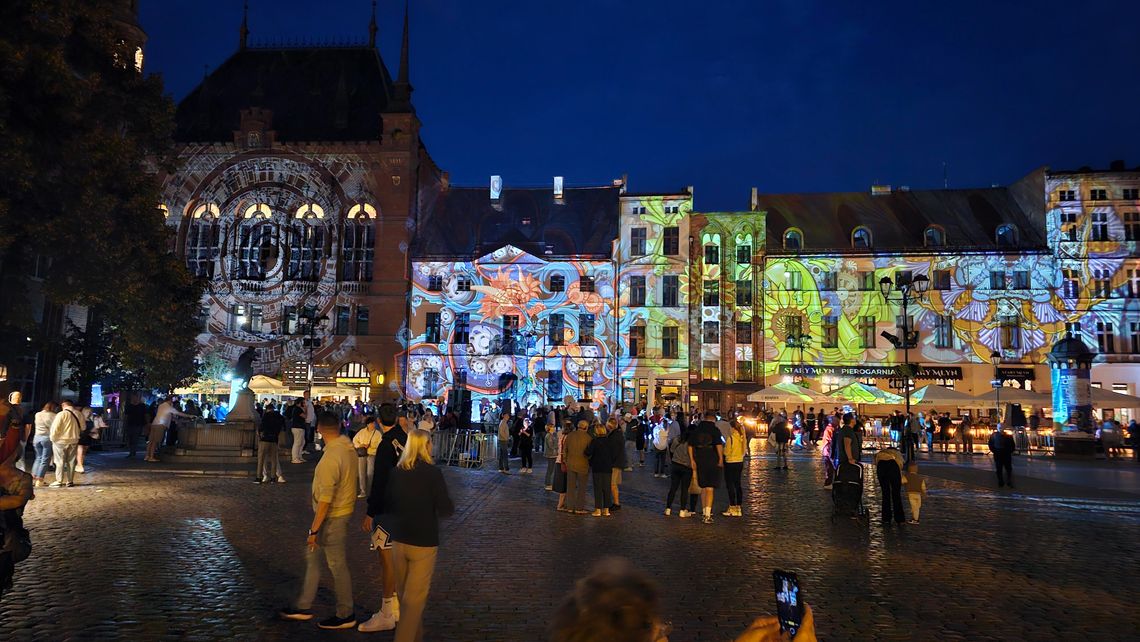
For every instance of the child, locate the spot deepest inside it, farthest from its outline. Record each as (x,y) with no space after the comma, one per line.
(915,489)
(550,452)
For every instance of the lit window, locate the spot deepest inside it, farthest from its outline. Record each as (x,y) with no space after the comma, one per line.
(306,252)
(257,210)
(793,239)
(206,210)
(310,210)
(861,238)
(202,247)
(165,211)
(361,210)
(710,369)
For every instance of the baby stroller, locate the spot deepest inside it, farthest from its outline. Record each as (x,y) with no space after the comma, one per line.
(847,492)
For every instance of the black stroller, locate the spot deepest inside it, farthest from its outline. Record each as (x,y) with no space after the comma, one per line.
(847,492)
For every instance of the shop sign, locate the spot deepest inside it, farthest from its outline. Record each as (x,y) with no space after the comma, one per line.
(862,372)
(1017,374)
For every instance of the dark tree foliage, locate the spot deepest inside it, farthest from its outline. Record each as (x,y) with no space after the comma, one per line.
(82,135)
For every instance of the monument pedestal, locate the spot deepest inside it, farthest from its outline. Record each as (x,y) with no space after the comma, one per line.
(232,442)
(1074,445)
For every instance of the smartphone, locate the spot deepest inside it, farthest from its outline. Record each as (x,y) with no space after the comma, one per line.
(789,601)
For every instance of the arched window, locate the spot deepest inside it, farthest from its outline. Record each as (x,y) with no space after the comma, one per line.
(202,244)
(257,211)
(1007,235)
(861,238)
(310,210)
(306,251)
(934,236)
(358,245)
(204,210)
(793,239)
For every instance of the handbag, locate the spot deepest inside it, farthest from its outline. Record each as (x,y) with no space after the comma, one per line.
(362,451)
(18,542)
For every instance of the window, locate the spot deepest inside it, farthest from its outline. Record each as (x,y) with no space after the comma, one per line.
(712,293)
(1132,226)
(585,329)
(670,290)
(712,254)
(793,280)
(904,277)
(1067,195)
(637,290)
(1010,332)
(861,238)
(586,384)
(1130,194)
(253,322)
(867,281)
(202,247)
(358,248)
(1099,231)
(586,284)
(744,254)
(829,281)
(743,333)
(1006,236)
(557,283)
(361,211)
(744,293)
(940,280)
(830,332)
(463,284)
(508,339)
(290,319)
(637,209)
(793,239)
(435,283)
(557,329)
(672,241)
(637,241)
(432,330)
(672,209)
(1021,280)
(1068,225)
(340,320)
(943,331)
(462,333)
(711,332)
(1105,341)
(1102,283)
(554,384)
(934,236)
(1070,284)
(362,320)
(431,380)
(866,332)
(905,324)
(637,341)
(1133,282)
(997,279)
(309,211)
(238,319)
(669,342)
(306,252)
(1098,195)
(744,371)
(710,369)
(257,250)
(1134,331)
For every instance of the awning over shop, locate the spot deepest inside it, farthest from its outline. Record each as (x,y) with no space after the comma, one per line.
(711,385)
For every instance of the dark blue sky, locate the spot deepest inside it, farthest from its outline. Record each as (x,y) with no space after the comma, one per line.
(788,95)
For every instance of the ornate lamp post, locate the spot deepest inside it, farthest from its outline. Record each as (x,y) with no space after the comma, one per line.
(311,323)
(908,291)
(995,359)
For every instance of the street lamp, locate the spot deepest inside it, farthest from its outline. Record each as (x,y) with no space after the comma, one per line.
(908,291)
(311,323)
(995,359)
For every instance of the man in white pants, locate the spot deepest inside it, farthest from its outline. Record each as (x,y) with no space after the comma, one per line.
(162,418)
(65,429)
(296,416)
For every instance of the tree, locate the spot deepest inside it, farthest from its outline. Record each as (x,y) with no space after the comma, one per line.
(83,135)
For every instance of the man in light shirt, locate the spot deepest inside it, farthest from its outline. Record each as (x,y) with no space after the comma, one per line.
(65,430)
(165,413)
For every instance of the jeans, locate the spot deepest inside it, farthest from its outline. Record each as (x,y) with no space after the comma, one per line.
(576,490)
(915,500)
(551,467)
(65,462)
(42,446)
(330,545)
(732,474)
(364,468)
(890,483)
(527,458)
(414,568)
(929,442)
(268,462)
(1003,462)
(680,477)
(659,461)
(504,460)
(603,494)
(298,443)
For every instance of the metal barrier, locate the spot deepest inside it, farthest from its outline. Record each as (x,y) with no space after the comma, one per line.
(463,448)
(113,435)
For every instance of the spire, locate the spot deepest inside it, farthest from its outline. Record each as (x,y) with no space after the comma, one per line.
(372,29)
(402,98)
(403,77)
(244,31)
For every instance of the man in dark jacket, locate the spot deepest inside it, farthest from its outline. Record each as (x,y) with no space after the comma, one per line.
(616,439)
(387,455)
(269,436)
(781,434)
(1001,445)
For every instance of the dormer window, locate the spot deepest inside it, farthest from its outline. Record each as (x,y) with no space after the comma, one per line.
(793,239)
(934,236)
(1007,236)
(861,238)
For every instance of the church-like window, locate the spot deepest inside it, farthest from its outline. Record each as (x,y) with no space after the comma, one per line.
(310,210)
(257,243)
(358,244)
(202,246)
(306,251)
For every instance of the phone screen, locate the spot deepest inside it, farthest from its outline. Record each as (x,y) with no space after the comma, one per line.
(789,601)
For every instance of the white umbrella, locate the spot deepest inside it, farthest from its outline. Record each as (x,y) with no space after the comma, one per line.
(1109,399)
(1014,395)
(859,392)
(933,395)
(786,393)
(265,385)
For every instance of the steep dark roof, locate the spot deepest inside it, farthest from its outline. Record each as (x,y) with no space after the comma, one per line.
(463,222)
(898,220)
(333,93)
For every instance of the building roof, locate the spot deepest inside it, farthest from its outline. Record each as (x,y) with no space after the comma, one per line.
(898,220)
(315,93)
(464,223)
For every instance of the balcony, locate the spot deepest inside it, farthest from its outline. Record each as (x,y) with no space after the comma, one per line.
(354,287)
(246,286)
(302,287)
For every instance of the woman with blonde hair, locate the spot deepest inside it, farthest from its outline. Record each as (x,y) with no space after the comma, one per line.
(415,499)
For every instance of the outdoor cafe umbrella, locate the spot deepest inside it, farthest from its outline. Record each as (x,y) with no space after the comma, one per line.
(785,393)
(941,396)
(1014,395)
(858,392)
(1109,399)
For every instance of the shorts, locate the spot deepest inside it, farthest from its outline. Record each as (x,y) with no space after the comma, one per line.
(615,476)
(380,540)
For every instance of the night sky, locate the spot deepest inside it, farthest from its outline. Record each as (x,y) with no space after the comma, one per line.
(789,95)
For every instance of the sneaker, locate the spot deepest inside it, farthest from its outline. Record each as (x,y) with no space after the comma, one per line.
(684,513)
(70,484)
(378,622)
(297,461)
(912,521)
(596,513)
(549,487)
(668,512)
(606,513)
(80,469)
(827,486)
(730,512)
(37,483)
(259,481)
(707,519)
(361,495)
(280,479)
(54,484)
(290,613)
(629,469)
(335,622)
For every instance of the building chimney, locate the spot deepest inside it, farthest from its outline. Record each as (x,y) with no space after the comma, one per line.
(496,187)
(1116,166)
(558,187)
(755,199)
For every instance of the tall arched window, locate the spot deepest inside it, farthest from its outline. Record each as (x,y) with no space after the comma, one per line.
(1007,235)
(793,239)
(306,244)
(257,244)
(359,243)
(861,238)
(202,244)
(934,236)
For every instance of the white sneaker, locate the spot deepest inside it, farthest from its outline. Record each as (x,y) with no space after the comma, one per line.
(280,479)
(684,513)
(730,512)
(378,622)
(668,511)
(80,469)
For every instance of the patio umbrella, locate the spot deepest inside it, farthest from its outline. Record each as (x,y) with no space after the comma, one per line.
(786,393)
(935,395)
(858,392)
(265,385)
(1015,395)
(1109,399)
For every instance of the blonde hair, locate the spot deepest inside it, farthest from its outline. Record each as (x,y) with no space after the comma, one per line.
(416,450)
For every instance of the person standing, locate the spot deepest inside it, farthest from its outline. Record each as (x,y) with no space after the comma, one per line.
(18,422)
(827,452)
(888,469)
(577,465)
(15,493)
(416,499)
(781,435)
(601,456)
(915,490)
(640,442)
(505,444)
(525,441)
(1001,445)
(295,417)
(310,421)
(708,461)
(966,435)
(41,441)
(681,472)
(333,499)
(365,441)
(660,450)
(65,430)
(388,454)
(734,468)
(1134,433)
(944,424)
(268,452)
(159,425)
(617,441)
(550,453)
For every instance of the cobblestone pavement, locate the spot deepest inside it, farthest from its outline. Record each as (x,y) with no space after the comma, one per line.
(147,553)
